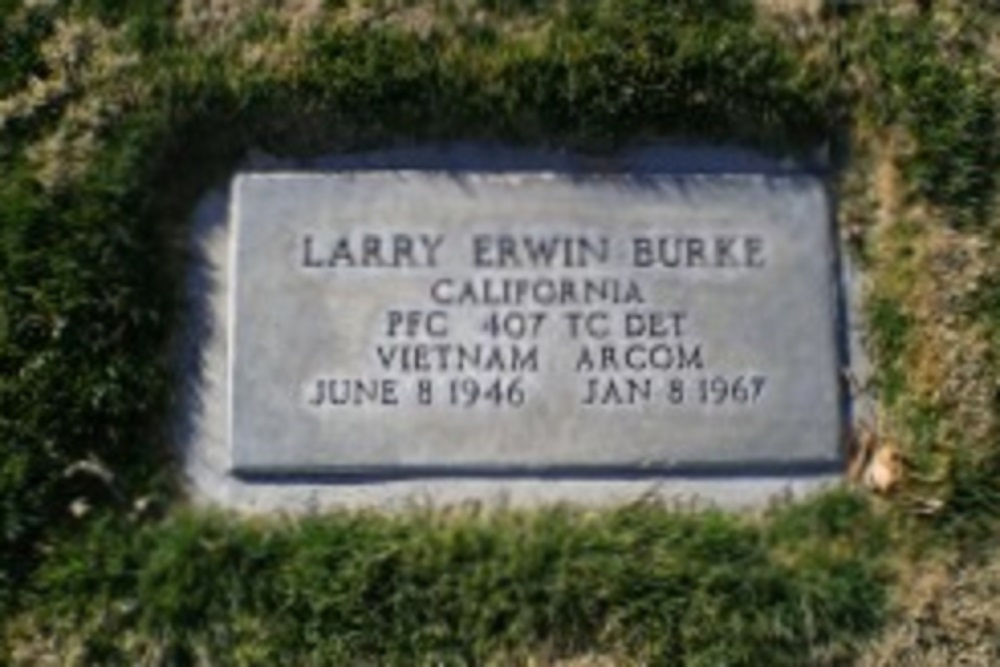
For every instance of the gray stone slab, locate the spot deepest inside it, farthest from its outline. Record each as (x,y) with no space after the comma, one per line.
(396,282)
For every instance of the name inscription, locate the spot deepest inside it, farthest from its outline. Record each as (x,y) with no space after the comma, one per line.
(657,357)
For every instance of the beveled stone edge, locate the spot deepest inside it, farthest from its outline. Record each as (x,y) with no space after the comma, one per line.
(208,480)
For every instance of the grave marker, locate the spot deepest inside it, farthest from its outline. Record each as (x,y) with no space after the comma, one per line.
(425,323)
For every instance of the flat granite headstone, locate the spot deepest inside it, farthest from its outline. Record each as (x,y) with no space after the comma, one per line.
(426,323)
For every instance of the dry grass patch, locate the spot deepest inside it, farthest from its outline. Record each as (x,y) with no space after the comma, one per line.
(88,86)
(932,272)
(218,19)
(949,615)
(796,9)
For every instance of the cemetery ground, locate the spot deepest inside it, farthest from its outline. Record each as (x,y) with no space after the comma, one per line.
(115,116)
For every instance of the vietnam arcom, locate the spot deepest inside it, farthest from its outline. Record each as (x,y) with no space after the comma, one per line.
(634,363)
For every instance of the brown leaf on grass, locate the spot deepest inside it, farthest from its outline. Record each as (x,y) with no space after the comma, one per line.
(874,460)
(885,469)
(860,445)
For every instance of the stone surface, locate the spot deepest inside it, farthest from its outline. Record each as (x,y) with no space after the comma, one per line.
(720,353)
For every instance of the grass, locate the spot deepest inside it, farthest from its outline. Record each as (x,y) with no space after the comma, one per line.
(946,101)
(112,123)
(468,588)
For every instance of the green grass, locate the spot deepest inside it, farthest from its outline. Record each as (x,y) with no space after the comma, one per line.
(660,586)
(889,326)
(946,100)
(90,271)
